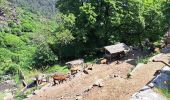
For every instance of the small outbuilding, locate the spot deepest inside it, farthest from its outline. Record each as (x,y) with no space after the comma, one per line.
(118,50)
(75,63)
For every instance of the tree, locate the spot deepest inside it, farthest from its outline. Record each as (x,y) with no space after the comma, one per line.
(104,22)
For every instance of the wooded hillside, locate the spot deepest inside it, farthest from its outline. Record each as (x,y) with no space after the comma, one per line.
(41,7)
(79,29)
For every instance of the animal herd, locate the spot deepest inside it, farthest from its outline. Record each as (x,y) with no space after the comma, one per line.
(60,78)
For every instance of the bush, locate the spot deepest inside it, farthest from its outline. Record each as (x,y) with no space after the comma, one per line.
(57,68)
(9,67)
(7,30)
(26,57)
(13,41)
(16,31)
(25,38)
(8,61)
(26,27)
(5,54)
(44,56)
(12,24)
(2,39)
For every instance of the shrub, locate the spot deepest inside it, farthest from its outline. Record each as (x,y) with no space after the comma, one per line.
(57,68)
(15,58)
(12,24)
(25,38)
(44,56)
(2,39)
(9,67)
(27,27)
(7,30)
(13,41)
(5,54)
(16,31)
(26,57)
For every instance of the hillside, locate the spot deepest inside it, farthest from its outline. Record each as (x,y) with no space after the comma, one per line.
(22,32)
(42,7)
(40,36)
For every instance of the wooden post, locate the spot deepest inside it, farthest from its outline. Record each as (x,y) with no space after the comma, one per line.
(161,62)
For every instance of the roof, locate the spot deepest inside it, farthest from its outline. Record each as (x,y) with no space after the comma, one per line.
(75,62)
(116,48)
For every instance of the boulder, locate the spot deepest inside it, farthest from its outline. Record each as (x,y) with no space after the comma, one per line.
(88,88)
(79,98)
(164,50)
(36,92)
(85,71)
(90,68)
(98,83)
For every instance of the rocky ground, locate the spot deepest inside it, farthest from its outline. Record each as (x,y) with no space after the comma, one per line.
(104,82)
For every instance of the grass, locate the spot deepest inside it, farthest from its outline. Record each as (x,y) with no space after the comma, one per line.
(2,96)
(90,59)
(145,59)
(33,73)
(57,68)
(28,75)
(165,92)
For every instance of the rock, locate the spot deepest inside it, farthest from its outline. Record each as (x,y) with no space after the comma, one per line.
(78,74)
(6,77)
(35,92)
(164,50)
(7,85)
(79,98)
(8,96)
(116,76)
(90,68)
(85,71)
(151,85)
(111,76)
(88,89)
(78,94)
(99,83)
(10,82)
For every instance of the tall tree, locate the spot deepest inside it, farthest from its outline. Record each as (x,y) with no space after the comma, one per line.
(104,22)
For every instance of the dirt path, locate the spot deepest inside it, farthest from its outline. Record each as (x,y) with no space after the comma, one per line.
(115,88)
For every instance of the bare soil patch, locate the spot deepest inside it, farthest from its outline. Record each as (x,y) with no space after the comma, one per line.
(116,85)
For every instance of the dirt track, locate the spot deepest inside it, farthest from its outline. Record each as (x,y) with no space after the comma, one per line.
(115,88)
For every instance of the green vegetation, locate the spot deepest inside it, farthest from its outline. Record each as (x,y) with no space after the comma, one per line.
(94,24)
(2,96)
(39,36)
(41,7)
(165,92)
(62,69)
(145,59)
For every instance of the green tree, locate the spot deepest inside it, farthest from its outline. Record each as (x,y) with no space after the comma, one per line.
(104,22)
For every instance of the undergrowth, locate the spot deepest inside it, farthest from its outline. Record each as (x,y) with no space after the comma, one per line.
(145,59)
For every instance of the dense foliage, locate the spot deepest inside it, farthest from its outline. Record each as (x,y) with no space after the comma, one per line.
(33,35)
(23,39)
(105,22)
(41,7)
